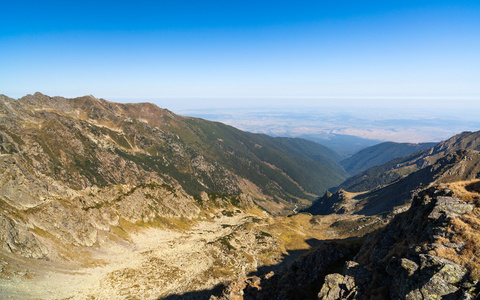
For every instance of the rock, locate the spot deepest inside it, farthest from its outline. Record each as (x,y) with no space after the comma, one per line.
(337,286)
(235,289)
(397,262)
(16,238)
(449,207)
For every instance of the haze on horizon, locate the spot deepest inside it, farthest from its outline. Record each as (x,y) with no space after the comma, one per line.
(395,60)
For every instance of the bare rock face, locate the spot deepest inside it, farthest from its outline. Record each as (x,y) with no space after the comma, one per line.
(235,289)
(294,282)
(337,286)
(432,277)
(15,238)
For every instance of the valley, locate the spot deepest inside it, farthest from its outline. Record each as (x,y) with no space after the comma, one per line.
(102,200)
(153,262)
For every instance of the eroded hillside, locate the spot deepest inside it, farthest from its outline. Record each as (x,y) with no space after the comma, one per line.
(114,200)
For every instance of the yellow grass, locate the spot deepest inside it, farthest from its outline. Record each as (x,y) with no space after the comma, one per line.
(467,230)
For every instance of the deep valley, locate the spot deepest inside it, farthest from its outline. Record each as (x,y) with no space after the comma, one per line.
(102,200)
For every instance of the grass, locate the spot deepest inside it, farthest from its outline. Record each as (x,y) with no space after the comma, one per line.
(465,229)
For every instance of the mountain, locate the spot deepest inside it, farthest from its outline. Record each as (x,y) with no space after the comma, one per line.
(460,165)
(86,142)
(345,145)
(428,252)
(380,154)
(72,168)
(397,168)
(314,150)
(101,200)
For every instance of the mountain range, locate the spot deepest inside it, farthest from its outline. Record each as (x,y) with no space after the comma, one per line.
(380,154)
(133,201)
(87,142)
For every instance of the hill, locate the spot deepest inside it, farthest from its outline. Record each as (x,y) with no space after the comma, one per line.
(345,145)
(72,168)
(397,168)
(380,154)
(461,165)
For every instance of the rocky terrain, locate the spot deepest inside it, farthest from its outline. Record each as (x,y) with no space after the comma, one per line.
(97,197)
(428,252)
(77,170)
(101,200)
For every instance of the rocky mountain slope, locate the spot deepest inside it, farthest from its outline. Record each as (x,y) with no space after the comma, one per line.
(96,162)
(86,142)
(379,155)
(457,166)
(397,168)
(101,200)
(430,251)
(83,180)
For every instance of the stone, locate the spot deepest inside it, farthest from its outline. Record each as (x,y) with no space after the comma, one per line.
(337,286)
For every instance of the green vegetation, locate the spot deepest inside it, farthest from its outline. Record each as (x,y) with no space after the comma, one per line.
(381,175)
(380,154)
(106,144)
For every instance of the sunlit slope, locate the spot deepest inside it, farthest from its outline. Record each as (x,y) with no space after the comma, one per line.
(86,142)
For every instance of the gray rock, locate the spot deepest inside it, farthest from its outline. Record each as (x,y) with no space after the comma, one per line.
(449,207)
(15,238)
(337,286)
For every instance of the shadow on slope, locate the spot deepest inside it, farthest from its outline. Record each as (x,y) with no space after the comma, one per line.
(299,275)
(286,261)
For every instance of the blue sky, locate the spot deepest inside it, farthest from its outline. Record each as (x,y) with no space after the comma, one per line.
(262,52)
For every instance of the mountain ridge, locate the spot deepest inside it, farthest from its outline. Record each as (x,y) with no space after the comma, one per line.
(397,168)
(127,124)
(78,170)
(380,154)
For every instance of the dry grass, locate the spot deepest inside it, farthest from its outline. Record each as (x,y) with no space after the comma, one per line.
(459,189)
(466,229)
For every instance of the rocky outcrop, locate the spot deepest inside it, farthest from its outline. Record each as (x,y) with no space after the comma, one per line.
(400,262)
(235,289)
(15,238)
(348,286)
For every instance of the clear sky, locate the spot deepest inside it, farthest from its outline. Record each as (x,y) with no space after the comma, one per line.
(215,50)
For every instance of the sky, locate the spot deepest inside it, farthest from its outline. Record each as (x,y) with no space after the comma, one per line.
(199,53)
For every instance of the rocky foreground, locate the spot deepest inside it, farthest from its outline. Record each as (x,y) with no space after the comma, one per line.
(431,251)
(101,200)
